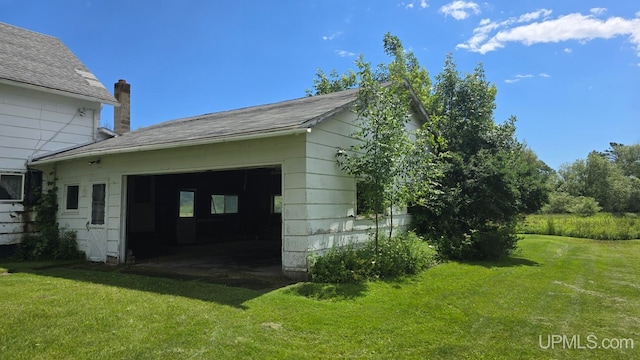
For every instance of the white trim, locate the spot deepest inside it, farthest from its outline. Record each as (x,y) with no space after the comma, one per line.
(22,176)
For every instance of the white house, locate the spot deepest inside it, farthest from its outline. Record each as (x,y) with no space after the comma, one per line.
(266,173)
(49,101)
(265,176)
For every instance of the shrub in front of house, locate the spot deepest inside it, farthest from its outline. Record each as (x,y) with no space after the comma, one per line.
(51,246)
(402,254)
(489,243)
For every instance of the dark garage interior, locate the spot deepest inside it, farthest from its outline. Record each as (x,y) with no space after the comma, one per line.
(233,215)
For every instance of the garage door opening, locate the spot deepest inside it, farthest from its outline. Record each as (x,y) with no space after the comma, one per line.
(232,216)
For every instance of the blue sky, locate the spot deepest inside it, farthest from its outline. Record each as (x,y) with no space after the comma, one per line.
(568,70)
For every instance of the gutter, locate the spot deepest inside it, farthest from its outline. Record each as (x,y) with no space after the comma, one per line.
(164,146)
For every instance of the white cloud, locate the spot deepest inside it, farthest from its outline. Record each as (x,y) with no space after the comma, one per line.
(460,10)
(525,76)
(490,36)
(568,50)
(332,36)
(345,53)
(528,17)
(423,4)
(598,11)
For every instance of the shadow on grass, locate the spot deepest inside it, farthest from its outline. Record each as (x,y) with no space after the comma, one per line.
(230,291)
(328,292)
(508,261)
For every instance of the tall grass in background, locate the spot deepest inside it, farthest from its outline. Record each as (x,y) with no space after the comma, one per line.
(601,226)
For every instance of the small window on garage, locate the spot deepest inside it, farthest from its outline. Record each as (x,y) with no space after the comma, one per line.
(366,199)
(72,193)
(11,187)
(276,207)
(187,204)
(98,203)
(224,204)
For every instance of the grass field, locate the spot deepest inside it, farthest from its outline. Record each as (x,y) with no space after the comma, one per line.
(533,305)
(601,226)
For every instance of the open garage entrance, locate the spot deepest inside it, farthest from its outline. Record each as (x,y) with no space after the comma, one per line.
(231,217)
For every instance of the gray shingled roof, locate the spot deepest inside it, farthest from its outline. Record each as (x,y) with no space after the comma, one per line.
(258,121)
(30,58)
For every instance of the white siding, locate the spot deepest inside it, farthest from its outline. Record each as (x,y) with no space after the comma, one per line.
(318,198)
(12,219)
(285,151)
(331,194)
(33,123)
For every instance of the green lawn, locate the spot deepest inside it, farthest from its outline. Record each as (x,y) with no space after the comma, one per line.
(554,288)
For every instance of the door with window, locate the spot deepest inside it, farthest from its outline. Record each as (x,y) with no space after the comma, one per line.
(97,223)
(186,225)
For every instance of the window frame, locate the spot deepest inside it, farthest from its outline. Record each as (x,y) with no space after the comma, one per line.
(192,214)
(22,182)
(93,214)
(77,200)
(226,198)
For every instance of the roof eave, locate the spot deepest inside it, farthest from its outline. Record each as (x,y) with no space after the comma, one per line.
(112,101)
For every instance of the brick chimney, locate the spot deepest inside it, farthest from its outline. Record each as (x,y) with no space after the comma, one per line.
(122,113)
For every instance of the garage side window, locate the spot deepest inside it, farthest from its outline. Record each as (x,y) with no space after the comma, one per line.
(72,192)
(11,187)
(187,204)
(224,204)
(98,198)
(276,203)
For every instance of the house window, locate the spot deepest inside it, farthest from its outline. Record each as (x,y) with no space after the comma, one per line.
(224,204)
(187,204)
(98,203)
(276,207)
(11,187)
(71,198)
(365,199)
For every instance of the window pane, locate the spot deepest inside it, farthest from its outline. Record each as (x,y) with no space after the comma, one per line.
(11,187)
(277,204)
(98,204)
(187,204)
(231,204)
(217,204)
(72,197)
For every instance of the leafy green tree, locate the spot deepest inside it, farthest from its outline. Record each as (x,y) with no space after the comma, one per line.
(324,84)
(489,178)
(603,177)
(467,176)
(625,157)
(386,160)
